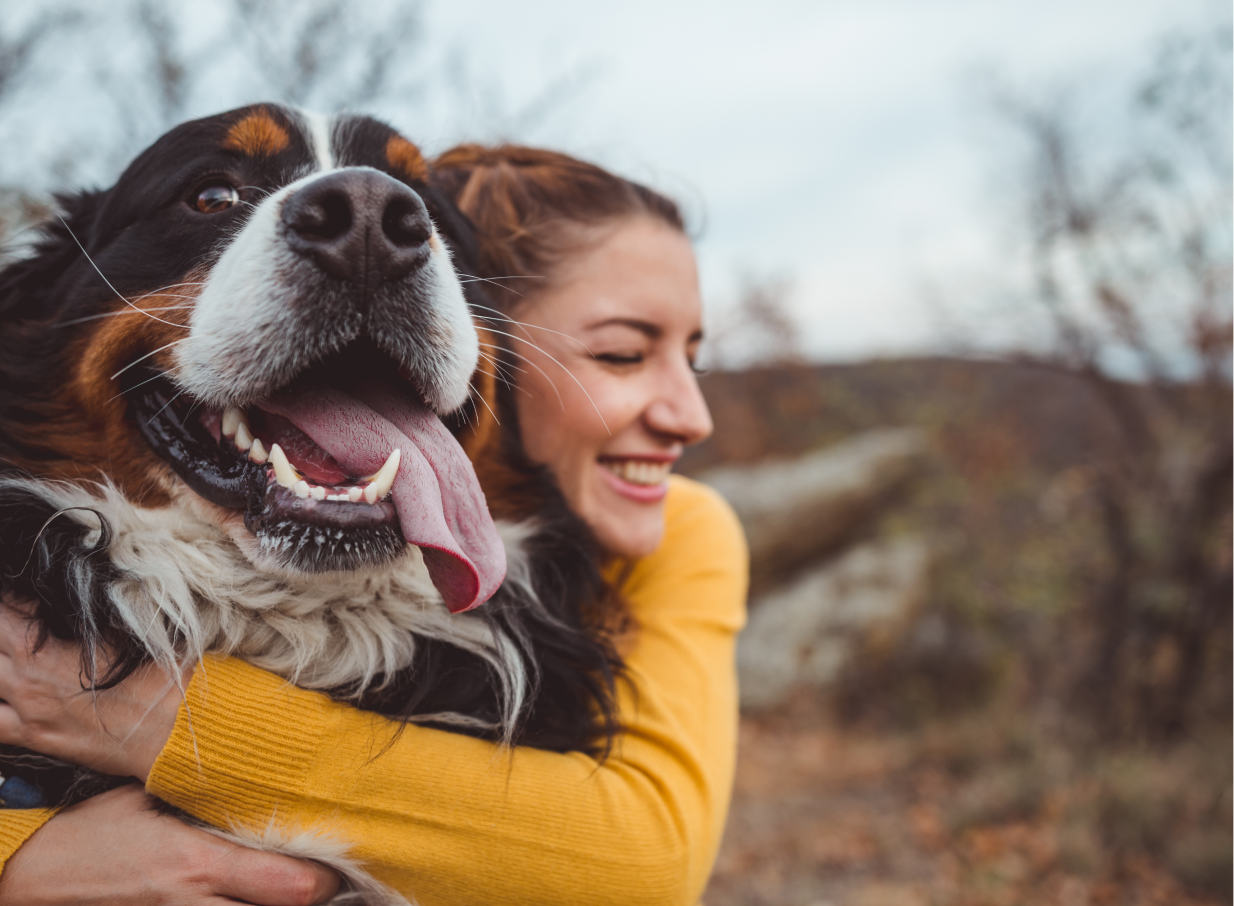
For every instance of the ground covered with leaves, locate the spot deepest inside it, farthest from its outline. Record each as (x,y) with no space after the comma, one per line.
(977,811)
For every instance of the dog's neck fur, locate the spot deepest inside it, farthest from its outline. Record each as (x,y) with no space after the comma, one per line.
(185,590)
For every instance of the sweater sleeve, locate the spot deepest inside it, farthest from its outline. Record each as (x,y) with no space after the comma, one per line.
(17,825)
(446,818)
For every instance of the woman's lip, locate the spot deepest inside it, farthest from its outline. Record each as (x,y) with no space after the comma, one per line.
(640,457)
(641,493)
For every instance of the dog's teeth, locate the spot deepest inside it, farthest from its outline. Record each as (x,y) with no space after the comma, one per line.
(370,494)
(284,474)
(317,493)
(384,479)
(336,497)
(354,494)
(244,438)
(257,452)
(301,488)
(232,417)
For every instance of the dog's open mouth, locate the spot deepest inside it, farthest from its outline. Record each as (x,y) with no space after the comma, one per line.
(339,470)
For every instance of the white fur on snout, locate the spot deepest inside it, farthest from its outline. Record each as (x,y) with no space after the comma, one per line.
(457,345)
(247,338)
(243,333)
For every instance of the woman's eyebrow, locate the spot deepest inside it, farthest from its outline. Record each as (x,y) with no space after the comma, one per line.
(648,329)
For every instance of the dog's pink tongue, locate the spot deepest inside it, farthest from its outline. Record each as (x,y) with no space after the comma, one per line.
(441,508)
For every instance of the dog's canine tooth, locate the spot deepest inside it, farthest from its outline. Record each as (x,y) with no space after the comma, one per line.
(301,488)
(284,474)
(244,438)
(257,452)
(384,479)
(232,417)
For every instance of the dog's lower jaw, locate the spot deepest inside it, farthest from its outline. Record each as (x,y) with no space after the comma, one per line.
(270,557)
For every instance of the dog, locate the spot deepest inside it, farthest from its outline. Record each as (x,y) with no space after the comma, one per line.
(238,395)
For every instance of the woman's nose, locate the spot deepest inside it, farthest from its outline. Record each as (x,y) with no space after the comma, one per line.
(679,408)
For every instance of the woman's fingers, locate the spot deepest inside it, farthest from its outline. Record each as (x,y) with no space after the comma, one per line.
(12,730)
(269,879)
(117,850)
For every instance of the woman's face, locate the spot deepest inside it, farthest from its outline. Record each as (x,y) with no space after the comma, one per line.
(607,396)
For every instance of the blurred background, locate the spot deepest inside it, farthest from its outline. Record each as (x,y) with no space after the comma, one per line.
(968,276)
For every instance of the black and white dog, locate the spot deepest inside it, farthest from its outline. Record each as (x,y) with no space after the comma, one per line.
(236,390)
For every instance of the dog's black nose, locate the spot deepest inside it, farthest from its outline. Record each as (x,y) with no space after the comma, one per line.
(360,225)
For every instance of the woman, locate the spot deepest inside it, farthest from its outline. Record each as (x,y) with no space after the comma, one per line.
(605,338)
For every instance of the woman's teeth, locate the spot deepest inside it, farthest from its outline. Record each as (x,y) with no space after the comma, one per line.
(236,428)
(639,471)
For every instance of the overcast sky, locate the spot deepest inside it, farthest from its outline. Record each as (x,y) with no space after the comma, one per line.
(841,145)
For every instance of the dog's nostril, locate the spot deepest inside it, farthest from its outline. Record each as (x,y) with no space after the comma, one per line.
(326,216)
(360,225)
(405,223)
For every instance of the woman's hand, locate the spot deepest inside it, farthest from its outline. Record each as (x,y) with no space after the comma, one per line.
(116,849)
(117,731)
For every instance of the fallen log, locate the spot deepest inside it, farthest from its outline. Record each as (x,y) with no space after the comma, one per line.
(797,512)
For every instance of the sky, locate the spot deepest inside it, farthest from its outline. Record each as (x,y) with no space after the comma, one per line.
(842,147)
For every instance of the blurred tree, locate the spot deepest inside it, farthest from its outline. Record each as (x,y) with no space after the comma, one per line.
(758,329)
(1127,231)
(151,64)
(89,85)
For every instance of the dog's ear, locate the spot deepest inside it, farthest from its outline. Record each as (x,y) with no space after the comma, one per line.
(25,285)
(454,226)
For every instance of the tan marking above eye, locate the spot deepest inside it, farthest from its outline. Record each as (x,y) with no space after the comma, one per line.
(216,197)
(257,135)
(406,157)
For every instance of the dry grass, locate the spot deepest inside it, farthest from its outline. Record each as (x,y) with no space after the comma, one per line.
(976,811)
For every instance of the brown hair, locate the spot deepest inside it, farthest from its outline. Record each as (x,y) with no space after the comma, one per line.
(528,204)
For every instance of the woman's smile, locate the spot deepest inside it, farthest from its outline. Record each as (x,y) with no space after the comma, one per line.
(644,479)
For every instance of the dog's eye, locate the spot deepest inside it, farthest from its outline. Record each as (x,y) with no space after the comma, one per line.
(215,197)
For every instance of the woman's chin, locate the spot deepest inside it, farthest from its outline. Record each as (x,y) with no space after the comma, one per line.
(628,528)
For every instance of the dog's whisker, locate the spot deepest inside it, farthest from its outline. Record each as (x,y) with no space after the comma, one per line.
(477,393)
(525,325)
(117,314)
(498,348)
(163,289)
(135,386)
(108,282)
(543,352)
(500,374)
(164,408)
(146,356)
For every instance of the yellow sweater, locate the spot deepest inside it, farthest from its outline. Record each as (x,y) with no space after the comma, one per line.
(445,818)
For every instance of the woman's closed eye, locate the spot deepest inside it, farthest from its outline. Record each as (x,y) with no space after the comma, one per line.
(619,358)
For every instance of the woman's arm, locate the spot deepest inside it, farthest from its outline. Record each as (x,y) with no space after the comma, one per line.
(453,819)
(448,818)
